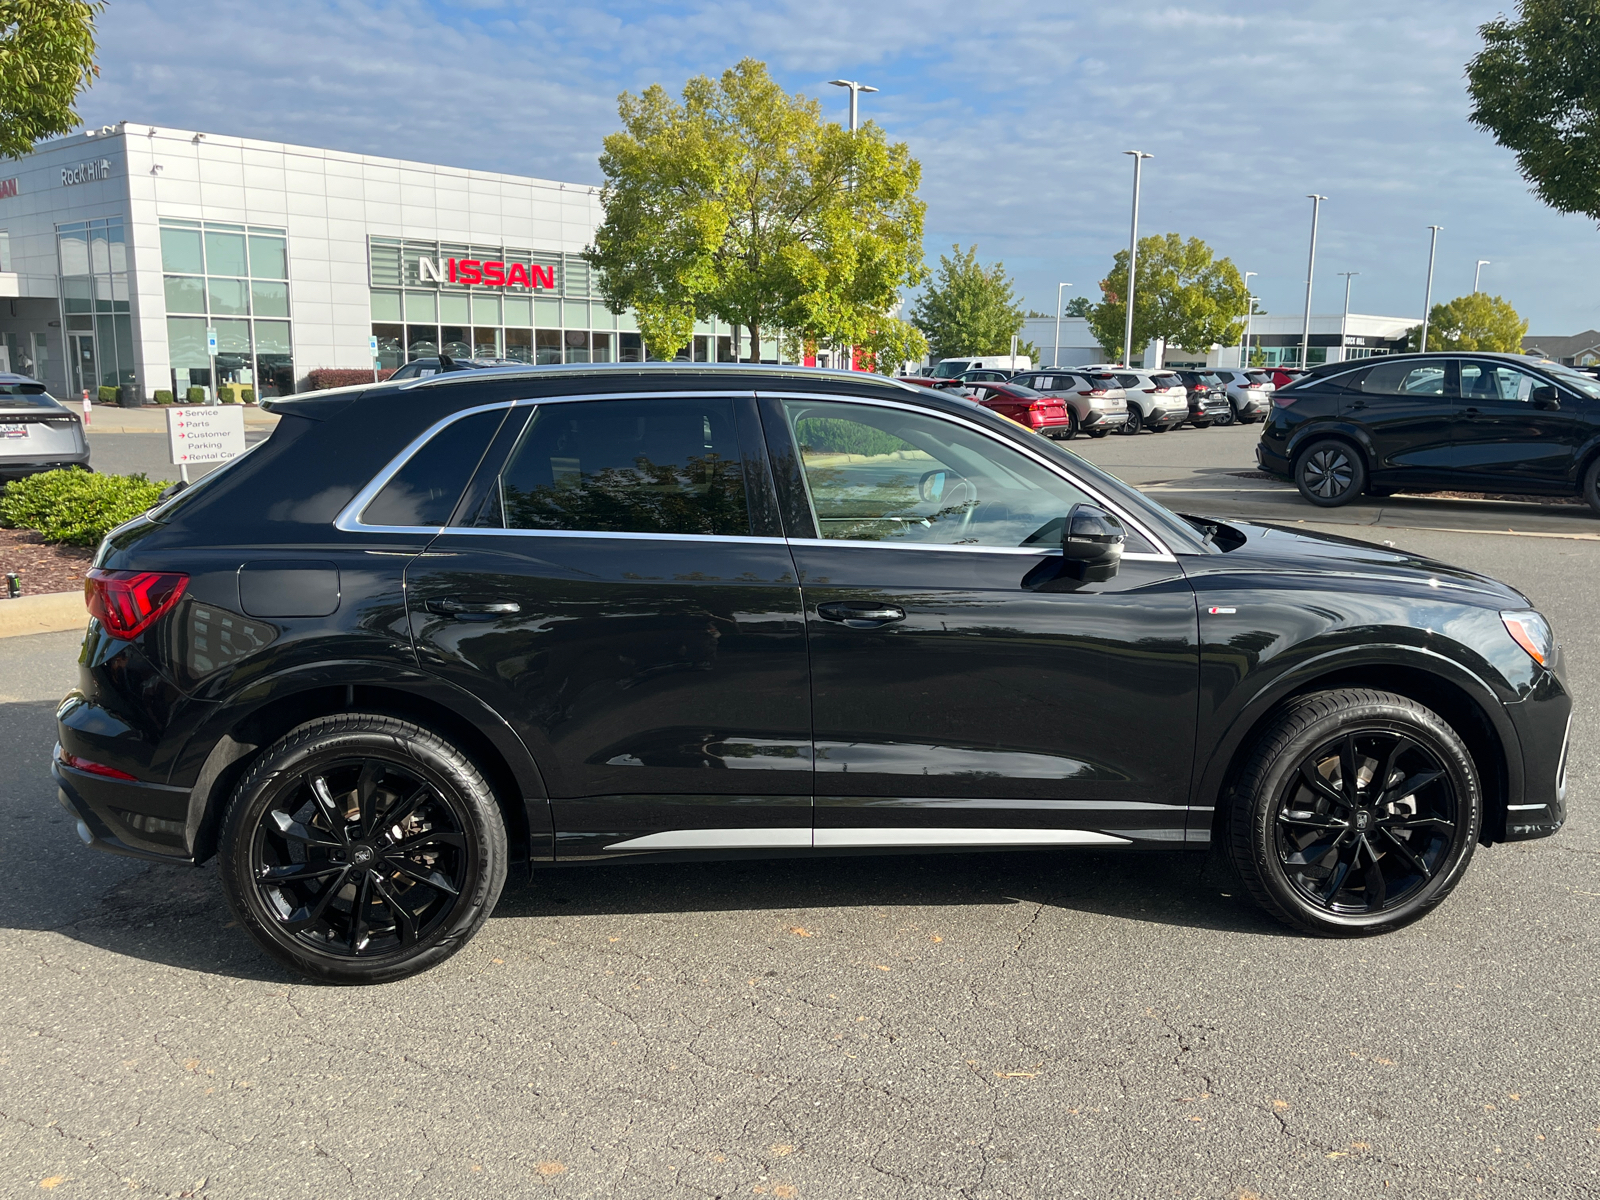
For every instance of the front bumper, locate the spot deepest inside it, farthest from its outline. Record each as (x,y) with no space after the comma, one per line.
(1543,722)
(145,820)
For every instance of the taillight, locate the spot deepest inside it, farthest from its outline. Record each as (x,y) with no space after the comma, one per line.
(1094,392)
(1281,400)
(128,602)
(91,768)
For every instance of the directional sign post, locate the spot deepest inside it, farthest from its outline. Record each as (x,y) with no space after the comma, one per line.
(211,350)
(204,435)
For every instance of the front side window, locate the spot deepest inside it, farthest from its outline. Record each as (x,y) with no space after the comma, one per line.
(1407,378)
(665,465)
(887,475)
(1489,381)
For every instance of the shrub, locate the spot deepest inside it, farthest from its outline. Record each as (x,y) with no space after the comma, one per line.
(249,394)
(108,395)
(228,393)
(76,507)
(163,396)
(195,395)
(332,377)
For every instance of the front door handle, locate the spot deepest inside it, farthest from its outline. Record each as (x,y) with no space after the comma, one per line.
(449,606)
(860,614)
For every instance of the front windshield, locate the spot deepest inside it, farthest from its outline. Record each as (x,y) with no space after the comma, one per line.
(1584,385)
(949,370)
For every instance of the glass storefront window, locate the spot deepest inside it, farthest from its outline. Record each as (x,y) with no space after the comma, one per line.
(454,309)
(186,294)
(519,311)
(577,345)
(180,251)
(422,341)
(269,299)
(630,347)
(269,257)
(233,337)
(519,345)
(228,297)
(453,341)
(486,310)
(225,254)
(186,342)
(386,306)
(422,308)
(547,313)
(274,359)
(486,343)
(547,346)
(602,347)
(391,344)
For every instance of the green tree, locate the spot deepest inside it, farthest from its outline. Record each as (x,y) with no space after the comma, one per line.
(1535,86)
(742,204)
(46,59)
(968,308)
(1473,322)
(1183,295)
(1078,306)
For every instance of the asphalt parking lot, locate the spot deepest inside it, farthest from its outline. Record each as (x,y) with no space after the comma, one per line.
(1031,1025)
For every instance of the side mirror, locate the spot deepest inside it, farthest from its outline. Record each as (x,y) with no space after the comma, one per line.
(1546,397)
(1091,543)
(931,486)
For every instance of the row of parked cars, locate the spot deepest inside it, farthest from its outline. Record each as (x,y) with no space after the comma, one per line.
(1103,398)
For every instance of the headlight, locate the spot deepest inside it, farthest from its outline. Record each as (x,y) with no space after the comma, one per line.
(1532,632)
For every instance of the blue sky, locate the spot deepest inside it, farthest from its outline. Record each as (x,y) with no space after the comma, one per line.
(1018,112)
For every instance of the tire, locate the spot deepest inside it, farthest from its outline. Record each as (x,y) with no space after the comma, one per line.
(1072,426)
(1098,433)
(1231,417)
(1162,428)
(1387,858)
(294,863)
(1135,421)
(1591,485)
(1330,472)
(1201,424)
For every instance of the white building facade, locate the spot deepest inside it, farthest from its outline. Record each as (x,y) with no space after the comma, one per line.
(124,250)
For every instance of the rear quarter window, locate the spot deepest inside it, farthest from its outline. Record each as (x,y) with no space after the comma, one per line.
(424,491)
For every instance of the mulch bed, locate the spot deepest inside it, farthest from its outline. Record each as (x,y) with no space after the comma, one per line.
(41,566)
(1502,497)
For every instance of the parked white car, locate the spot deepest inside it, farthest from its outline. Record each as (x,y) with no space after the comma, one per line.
(1157,399)
(949,368)
(1249,391)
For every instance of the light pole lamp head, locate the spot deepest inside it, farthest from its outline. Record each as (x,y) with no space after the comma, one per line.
(1138,154)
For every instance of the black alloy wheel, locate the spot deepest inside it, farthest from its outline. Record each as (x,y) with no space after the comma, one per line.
(1229,417)
(1357,812)
(1330,473)
(1135,421)
(362,849)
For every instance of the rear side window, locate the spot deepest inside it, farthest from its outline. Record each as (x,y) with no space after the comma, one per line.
(664,465)
(1408,378)
(424,491)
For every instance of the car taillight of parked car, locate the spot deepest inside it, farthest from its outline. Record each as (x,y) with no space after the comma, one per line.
(1094,392)
(128,602)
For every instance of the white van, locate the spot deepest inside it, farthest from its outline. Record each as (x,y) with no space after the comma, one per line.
(949,368)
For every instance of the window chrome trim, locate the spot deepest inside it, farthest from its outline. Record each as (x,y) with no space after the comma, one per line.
(611,533)
(349,518)
(1163,552)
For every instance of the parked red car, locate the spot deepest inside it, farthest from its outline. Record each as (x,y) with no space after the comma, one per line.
(1042,414)
(1283,376)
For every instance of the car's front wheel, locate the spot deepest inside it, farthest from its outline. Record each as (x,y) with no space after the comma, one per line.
(1135,421)
(1330,473)
(362,848)
(1356,812)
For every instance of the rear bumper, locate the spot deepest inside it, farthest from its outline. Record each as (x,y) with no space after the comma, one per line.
(1166,416)
(145,820)
(19,468)
(1095,419)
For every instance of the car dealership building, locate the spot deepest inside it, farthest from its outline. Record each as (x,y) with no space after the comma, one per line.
(124,250)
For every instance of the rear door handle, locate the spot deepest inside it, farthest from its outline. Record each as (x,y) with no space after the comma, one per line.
(449,606)
(860,614)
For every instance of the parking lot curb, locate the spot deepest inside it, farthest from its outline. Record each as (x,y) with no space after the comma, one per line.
(51,612)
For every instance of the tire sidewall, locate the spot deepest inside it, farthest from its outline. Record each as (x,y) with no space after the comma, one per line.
(1396,716)
(328,740)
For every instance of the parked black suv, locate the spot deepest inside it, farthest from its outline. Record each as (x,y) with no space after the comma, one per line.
(628,613)
(1431,422)
(1208,399)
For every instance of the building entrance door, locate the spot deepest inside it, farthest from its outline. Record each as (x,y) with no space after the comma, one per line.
(84,374)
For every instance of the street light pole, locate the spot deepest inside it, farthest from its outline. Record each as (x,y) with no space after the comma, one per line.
(1311,270)
(1427,298)
(1249,308)
(1344,321)
(855,90)
(1055,357)
(1133,256)
(1477,271)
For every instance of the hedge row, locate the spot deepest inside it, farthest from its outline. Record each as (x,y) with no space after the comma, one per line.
(334,377)
(75,507)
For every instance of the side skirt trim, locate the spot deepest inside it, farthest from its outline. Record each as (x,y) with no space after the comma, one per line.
(794,839)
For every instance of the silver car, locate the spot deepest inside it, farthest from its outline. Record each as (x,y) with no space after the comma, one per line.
(1249,391)
(1157,399)
(36,432)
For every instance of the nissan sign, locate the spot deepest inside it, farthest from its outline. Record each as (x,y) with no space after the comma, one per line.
(470,272)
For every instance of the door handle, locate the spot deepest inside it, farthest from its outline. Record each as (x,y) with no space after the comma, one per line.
(1356,405)
(860,614)
(449,606)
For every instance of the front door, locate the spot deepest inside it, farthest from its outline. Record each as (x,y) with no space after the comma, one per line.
(1408,409)
(616,585)
(965,692)
(85,377)
(1502,440)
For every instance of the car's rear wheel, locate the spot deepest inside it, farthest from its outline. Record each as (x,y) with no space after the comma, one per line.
(1098,433)
(1231,417)
(362,849)
(1591,485)
(1135,421)
(1071,431)
(1330,472)
(1356,812)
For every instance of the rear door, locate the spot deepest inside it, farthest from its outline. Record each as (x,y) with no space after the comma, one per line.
(1503,440)
(965,692)
(1409,409)
(616,584)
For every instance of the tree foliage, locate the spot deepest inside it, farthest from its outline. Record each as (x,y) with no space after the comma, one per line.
(742,204)
(1183,295)
(46,58)
(1472,322)
(1535,86)
(1078,306)
(968,308)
